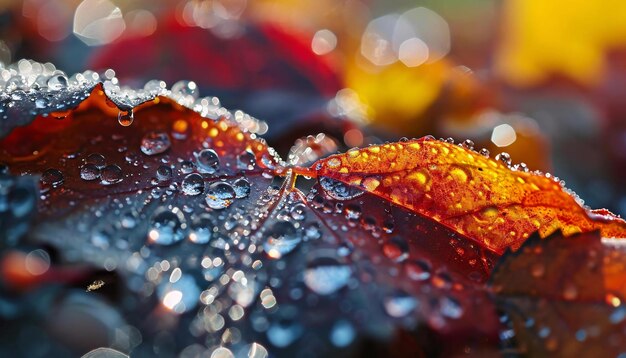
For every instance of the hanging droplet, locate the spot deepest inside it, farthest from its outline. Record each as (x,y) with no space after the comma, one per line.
(154,143)
(125,118)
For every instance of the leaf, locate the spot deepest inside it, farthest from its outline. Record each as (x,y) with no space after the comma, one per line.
(191,257)
(564,295)
(481,198)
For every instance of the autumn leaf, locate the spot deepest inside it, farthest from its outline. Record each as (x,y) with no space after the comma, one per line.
(198,194)
(207,229)
(564,295)
(489,201)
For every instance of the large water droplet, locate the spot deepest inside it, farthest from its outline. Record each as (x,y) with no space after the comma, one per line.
(220,195)
(208,161)
(167,226)
(111,174)
(193,184)
(155,143)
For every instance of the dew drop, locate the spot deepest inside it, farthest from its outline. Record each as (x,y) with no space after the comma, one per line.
(201,229)
(193,184)
(327,278)
(397,249)
(52,177)
(57,82)
(242,188)
(154,143)
(505,158)
(484,152)
(399,304)
(417,270)
(111,174)
(220,195)
(246,160)
(298,212)
(96,159)
(282,238)
(167,226)
(338,190)
(208,161)
(89,172)
(164,173)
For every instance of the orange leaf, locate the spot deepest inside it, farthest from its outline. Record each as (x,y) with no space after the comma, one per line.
(474,195)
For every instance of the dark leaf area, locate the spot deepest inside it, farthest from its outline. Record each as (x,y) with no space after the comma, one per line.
(563,295)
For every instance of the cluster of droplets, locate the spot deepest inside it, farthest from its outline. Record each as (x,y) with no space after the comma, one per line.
(37,88)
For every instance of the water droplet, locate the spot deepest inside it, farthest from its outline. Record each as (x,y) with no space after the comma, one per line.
(201,229)
(242,188)
(417,270)
(399,304)
(220,195)
(41,103)
(282,238)
(396,249)
(155,143)
(187,167)
(52,177)
(125,118)
(484,152)
(505,158)
(338,190)
(298,212)
(246,160)
(111,174)
(167,226)
(326,278)
(89,172)
(96,159)
(450,307)
(164,173)
(193,184)
(57,82)
(208,161)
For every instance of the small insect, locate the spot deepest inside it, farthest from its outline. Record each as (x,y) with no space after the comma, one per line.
(95,285)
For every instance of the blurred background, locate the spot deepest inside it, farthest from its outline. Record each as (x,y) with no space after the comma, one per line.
(542,81)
